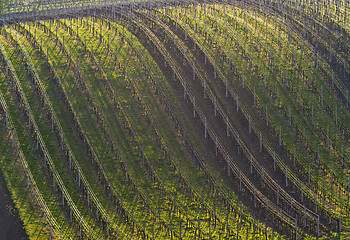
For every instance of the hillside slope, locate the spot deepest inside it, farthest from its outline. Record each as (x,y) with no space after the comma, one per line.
(179,120)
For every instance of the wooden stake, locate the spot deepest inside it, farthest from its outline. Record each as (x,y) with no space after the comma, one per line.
(194,107)
(301,191)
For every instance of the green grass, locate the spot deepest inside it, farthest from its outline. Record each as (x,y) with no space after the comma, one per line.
(148,149)
(262,107)
(117,102)
(27,146)
(51,143)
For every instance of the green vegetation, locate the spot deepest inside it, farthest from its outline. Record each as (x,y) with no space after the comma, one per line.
(191,120)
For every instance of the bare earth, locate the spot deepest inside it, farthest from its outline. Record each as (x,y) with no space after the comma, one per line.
(11,227)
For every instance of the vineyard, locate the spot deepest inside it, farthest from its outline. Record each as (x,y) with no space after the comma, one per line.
(175,119)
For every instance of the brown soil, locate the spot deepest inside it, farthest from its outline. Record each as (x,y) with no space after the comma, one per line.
(11,227)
